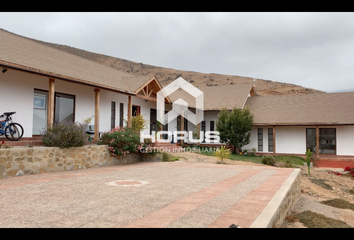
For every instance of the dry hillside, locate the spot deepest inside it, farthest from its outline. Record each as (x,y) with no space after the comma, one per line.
(167,75)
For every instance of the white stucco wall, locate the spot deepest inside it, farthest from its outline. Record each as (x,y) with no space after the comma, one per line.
(290,139)
(17,90)
(345,140)
(16,94)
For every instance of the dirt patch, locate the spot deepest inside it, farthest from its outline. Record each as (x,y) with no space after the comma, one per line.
(315,220)
(322,183)
(339,203)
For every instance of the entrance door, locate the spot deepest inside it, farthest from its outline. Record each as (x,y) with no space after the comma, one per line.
(40,100)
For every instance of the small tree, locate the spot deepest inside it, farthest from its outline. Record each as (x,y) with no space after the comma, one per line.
(138,123)
(235,126)
(308,159)
(222,153)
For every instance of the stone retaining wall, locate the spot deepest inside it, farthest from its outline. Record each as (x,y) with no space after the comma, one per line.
(288,203)
(281,205)
(22,160)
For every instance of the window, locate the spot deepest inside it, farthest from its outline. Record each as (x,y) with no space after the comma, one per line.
(64,108)
(113,115)
(327,141)
(270,140)
(211,125)
(311,139)
(121,114)
(203,130)
(260,139)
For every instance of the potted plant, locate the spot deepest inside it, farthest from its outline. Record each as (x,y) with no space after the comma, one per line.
(245,151)
(254,150)
(241,151)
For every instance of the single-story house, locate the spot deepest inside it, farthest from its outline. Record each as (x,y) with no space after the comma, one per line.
(45,85)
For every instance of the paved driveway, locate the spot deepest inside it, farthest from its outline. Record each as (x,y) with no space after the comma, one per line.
(146,194)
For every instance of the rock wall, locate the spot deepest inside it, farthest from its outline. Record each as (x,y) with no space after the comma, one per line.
(23,161)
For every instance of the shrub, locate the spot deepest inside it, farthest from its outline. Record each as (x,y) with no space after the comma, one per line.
(222,153)
(65,135)
(121,141)
(268,160)
(138,123)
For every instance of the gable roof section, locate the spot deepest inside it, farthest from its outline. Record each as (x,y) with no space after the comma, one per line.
(303,109)
(217,97)
(25,54)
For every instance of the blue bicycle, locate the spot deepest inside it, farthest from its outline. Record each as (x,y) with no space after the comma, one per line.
(12,131)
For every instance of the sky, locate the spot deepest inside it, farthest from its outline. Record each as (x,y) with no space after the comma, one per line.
(310,49)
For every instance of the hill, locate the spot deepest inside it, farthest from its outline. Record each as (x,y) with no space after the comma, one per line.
(167,75)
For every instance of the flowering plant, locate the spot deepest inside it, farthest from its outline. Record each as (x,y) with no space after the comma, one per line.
(336,173)
(347,169)
(121,141)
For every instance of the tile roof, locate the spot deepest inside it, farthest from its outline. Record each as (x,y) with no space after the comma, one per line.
(303,109)
(18,51)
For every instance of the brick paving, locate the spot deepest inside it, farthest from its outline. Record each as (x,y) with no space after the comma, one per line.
(174,195)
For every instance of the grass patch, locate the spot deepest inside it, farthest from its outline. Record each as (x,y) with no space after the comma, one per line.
(321,182)
(168,157)
(291,160)
(339,203)
(251,158)
(315,220)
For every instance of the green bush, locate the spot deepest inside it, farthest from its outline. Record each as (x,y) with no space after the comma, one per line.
(121,141)
(65,135)
(268,160)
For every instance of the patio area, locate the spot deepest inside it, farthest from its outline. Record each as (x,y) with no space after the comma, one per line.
(151,195)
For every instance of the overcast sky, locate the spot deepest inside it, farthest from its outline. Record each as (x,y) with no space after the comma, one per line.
(314,50)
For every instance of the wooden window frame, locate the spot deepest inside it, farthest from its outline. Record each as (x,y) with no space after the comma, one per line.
(258,138)
(121,114)
(270,133)
(113,114)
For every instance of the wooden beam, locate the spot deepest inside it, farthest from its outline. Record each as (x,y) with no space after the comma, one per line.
(50,112)
(130,116)
(146,98)
(317,141)
(97,114)
(274,150)
(150,93)
(144,92)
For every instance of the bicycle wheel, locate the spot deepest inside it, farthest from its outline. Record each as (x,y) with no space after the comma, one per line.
(13,132)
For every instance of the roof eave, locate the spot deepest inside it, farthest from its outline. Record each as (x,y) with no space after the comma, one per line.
(59,76)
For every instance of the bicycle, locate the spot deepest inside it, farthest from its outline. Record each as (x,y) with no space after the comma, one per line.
(13,131)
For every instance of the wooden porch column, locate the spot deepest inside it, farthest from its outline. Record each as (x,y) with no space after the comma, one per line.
(317,141)
(274,149)
(50,112)
(97,114)
(130,106)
